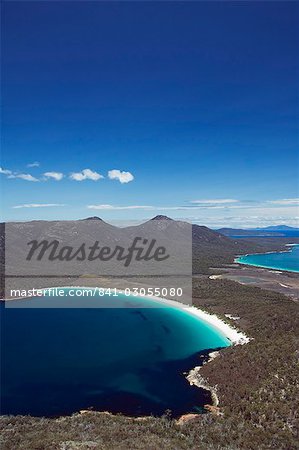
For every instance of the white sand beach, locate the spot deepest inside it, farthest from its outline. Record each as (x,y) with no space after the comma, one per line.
(235,336)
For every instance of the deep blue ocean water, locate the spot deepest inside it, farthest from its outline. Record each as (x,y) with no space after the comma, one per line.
(57,361)
(280,261)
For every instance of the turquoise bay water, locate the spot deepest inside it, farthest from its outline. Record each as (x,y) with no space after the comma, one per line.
(125,359)
(288,260)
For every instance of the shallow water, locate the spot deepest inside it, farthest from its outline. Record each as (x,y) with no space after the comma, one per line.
(129,360)
(288,260)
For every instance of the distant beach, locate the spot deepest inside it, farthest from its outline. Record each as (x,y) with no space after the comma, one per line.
(287,260)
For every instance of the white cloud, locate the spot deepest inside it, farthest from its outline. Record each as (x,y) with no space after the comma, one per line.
(123,177)
(215,201)
(156,208)
(34,164)
(118,208)
(86,174)
(37,205)
(23,176)
(285,201)
(5,171)
(55,175)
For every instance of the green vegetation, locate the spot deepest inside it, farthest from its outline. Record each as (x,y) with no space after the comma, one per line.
(213,250)
(256,384)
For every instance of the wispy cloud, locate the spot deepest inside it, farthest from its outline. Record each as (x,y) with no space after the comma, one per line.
(285,201)
(55,175)
(150,207)
(122,177)
(37,205)
(86,174)
(5,171)
(118,208)
(22,176)
(215,201)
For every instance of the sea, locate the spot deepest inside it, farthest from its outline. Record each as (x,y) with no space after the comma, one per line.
(284,261)
(128,359)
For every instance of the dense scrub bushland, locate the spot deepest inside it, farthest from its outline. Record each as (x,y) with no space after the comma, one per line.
(257,383)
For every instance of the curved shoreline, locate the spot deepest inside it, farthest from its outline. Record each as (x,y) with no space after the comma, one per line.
(232,334)
(235,336)
(291,247)
(266,267)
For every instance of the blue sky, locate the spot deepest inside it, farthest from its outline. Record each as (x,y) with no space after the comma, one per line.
(184,109)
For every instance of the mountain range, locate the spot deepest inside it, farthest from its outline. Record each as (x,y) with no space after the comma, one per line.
(271,231)
(209,247)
